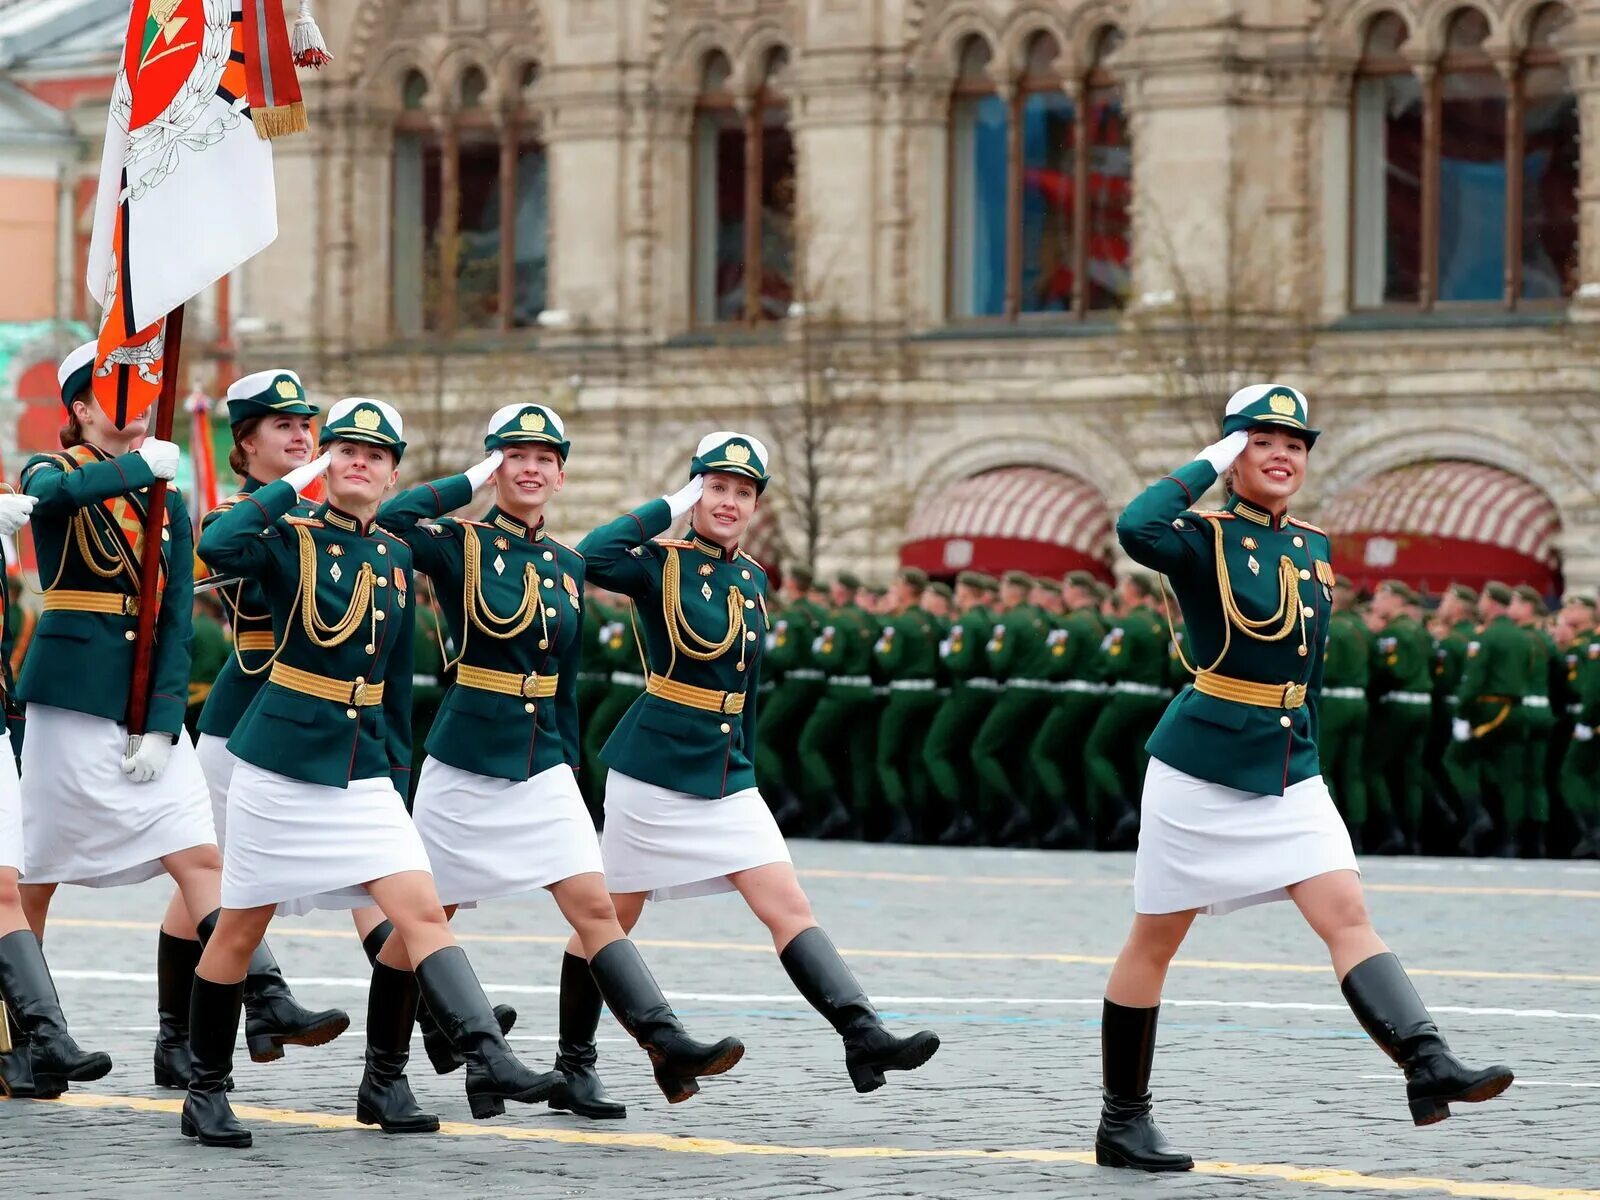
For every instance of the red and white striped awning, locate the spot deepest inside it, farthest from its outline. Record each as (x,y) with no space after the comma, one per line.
(1434,523)
(1014,518)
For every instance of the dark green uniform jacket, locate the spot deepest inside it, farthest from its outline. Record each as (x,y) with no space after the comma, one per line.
(695,595)
(1253,748)
(523,615)
(83,661)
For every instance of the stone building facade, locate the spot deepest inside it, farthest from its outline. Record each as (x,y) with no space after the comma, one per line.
(1014,253)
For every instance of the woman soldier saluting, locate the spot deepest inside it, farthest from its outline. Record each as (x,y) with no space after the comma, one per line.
(683,815)
(497,803)
(315,809)
(1235,808)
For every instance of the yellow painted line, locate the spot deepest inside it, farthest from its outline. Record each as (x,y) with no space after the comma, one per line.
(282,932)
(1330,1177)
(1051,881)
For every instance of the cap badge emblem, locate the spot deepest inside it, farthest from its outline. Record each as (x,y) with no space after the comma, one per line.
(532,421)
(738,453)
(287,389)
(367,418)
(1283,405)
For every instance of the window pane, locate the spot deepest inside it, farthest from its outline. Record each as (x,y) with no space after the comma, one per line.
(1549,186)
(777,214)
(1048,202)
(478,256)
(978,212)
(1110,250)
(408,235)
(533,236)
(719,216)
(1388,191)
(1472,187)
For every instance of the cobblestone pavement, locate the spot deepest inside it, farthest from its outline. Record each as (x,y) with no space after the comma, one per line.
(1262,1072)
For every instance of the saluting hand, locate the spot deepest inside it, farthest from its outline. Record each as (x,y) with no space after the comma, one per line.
(15,509)
(1221,454)
(686,497)
(303,477)
(149,758)
(478,475)
(161,457)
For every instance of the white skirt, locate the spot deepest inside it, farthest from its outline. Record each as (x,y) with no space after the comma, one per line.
(672,845)
(85,822)
(1213,848)
(10,812)
(216,763)
(303,845)
(489,838)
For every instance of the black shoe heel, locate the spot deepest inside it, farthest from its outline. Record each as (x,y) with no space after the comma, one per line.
(1429,1112)
(676,1090)
(866,1078)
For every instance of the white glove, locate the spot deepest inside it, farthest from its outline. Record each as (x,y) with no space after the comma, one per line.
(1461,729)
(161,457)
(15,510)
(1221,454)
(1583,732)
(686,497)
(478,475)
(303,477)
(149,757)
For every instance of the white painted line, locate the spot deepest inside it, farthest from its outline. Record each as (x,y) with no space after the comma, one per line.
(790,998)
(1521,1082)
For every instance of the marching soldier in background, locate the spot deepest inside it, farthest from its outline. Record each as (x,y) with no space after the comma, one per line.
(427,675)
(963,711)
(1019,658)
(209,652)
(784,712)
(1580,768)
(594,681)
(23,620)
(1488,752)
(1057,750)
(843,650)
(1402,682)
(1534,715)
(614,654)
(1135,663)
(873,601)
(1453,626)
(907,656)
(1342,715)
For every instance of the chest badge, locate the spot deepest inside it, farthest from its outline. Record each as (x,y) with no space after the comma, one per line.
(335,574)
(502,543)
(571,585)
(706,569)
(335,550)
(705,590)
(1249,543)
(499,565)
(399,587)
(1255,567)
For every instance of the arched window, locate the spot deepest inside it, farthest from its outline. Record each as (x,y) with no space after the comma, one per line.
(1039,187)
(744,194)
(470,227)
(1463,192)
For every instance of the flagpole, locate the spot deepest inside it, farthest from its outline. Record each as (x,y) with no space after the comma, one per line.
(155,512)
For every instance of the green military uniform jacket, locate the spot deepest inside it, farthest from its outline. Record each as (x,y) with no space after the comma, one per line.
(907,649)
(789,641)
(83,660)
(209,652)
(721,598)
(1495,675)
(843,650)
(1252,747)
(1403,661)
(964,651)
(1018,649)
(1346,659)
(1587,684)
(359,577)
(523,616)
(1075,651)
(1135,651)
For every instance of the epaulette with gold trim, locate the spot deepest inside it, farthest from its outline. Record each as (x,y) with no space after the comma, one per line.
(751,558)
(475,524)
(1204,513)
(308,522)
(675,543)
(393,537)
(1308,525)
(565,547)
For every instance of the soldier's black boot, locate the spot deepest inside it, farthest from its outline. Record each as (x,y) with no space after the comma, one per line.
(31,994)
(833,819)
(575,1051)
(1124,821)
(273,1017)
(1478,825)
(1016,827)
(213,1030)
(435,1041)
(631,993)
(1533,844)
(385,1098)
(830,987)
(1128,1135)
(1066,833)
(16,1066)
(962,830)
(494,1074)
(899,831)
(1392,839)
(789,811)
(176,959)
(1389,1009)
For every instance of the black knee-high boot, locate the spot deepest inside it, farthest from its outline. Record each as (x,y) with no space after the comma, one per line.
(576,1055)
(30,994)
(1128,1135)
(176,959)
(636,1001)
(385,1098)
(435,1041)
(1383,999)
(213,1030)
(273,1017)
(16,1066)
(494,1074)
(830,987)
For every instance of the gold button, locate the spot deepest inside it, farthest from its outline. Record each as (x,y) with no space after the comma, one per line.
(370,648)
(383,581)
(746,574)
(1305,574)
(750,635)
(378,616)
(740,667)
(166,536)
(382,549)
(1299,541)
(130,635)
(543,644)
(549,612)
(528,707)
(351,713)
(1303,651)
(548,557)
(749,603)
(1286,720)
(549,583)
(726,728)
(1309,611)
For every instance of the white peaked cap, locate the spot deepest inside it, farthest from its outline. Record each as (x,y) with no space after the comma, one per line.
(82,357)
(712,440)
(502,415)
(1246,396)
(254,385)
(390,413)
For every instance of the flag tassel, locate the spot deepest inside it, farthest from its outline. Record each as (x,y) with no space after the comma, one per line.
(280,120)
(306,40)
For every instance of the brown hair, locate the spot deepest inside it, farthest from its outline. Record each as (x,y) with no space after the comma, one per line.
(71,434)
(236,458)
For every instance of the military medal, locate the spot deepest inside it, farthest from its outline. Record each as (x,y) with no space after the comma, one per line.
(1249,543)
(571,584)
(335,550)
(399,587)
(502,543)
(706,568)
(1255,567)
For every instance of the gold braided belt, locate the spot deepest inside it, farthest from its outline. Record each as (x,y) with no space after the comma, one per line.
(1243,691)
(357,692)
(256,639)
(705,699)
(507,683)
(65,600)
